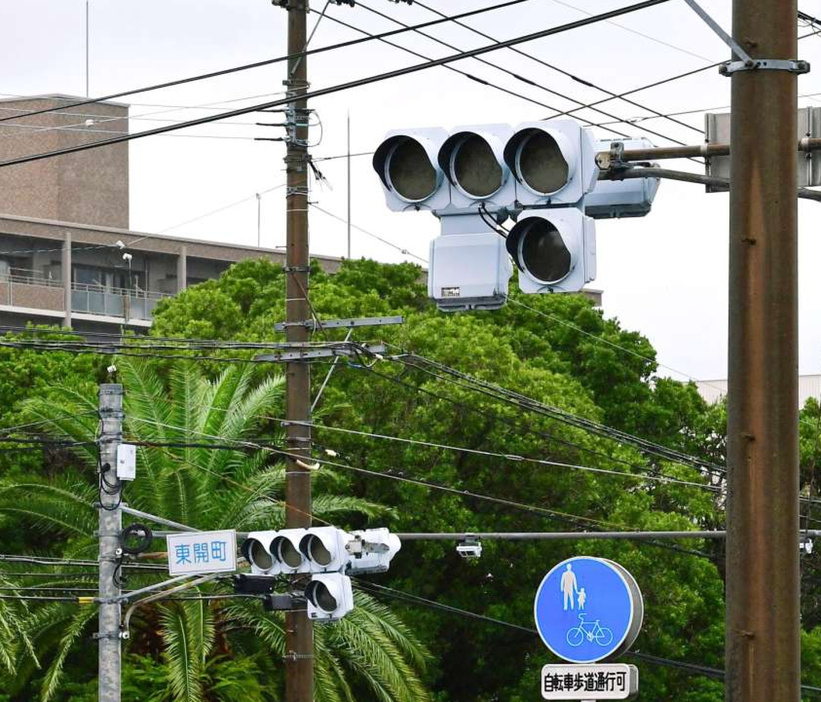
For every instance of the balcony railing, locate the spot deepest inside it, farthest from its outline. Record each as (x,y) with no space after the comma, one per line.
(114,302)
(37,292)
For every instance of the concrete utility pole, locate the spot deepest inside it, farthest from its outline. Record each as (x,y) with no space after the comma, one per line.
(299,645)
(110,525)
(762,615)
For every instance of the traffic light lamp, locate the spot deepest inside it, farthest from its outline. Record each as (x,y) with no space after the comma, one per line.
(329,596)
(407,164)
(554,250)
(554,163)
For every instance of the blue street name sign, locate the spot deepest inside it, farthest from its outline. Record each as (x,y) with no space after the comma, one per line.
(588,609)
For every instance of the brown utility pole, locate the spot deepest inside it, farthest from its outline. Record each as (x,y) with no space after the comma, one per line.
(299,643)
(762,595)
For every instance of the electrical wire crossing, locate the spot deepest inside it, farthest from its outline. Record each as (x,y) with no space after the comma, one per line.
(256,64)
(389,75)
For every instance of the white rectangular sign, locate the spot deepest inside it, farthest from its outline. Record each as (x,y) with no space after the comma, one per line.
(605,681)
(195,552)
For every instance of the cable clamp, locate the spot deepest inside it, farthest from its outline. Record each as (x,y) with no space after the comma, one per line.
(790,65)
(113,635)
(294,656)
(297,269)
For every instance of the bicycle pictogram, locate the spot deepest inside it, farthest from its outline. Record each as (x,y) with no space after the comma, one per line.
(592,631)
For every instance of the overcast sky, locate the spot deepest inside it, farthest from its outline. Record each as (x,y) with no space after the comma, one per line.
(664,275)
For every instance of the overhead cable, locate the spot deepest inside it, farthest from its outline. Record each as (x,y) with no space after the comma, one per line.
(256,64)
(389,75)
(582,81)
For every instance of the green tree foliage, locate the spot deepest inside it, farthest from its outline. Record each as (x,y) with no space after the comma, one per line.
(562,352)
(212,650)
(558,350)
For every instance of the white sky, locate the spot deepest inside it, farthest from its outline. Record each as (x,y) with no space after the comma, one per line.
(664,275)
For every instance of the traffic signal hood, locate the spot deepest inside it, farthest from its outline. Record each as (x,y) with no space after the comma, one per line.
(554,250)
(329,596)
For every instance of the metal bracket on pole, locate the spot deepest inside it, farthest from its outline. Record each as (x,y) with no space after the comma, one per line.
(789,65)
(746,62)
(296,352)
(341,323)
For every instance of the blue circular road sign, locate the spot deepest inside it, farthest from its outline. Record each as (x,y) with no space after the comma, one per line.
(588,609)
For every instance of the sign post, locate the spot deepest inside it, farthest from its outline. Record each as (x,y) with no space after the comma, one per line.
(588,610)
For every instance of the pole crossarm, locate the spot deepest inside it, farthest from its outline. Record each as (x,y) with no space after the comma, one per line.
(294,352)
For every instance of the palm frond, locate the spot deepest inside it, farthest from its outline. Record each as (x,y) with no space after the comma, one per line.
(75,628)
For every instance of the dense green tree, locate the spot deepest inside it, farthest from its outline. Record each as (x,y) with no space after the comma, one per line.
(559,350)
(209,650)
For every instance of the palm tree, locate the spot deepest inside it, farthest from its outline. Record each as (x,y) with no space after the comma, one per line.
(208,647)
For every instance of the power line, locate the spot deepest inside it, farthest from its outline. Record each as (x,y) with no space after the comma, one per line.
(695,668)
(656,40)
(470,76)
(582,81)
(389,75)
(386,475)
(258,64)
(515,458)
(456,377)
(370,234)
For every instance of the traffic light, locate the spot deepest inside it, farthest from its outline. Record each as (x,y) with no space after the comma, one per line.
(329,596)
(371,550)
(543,175)
(326,553)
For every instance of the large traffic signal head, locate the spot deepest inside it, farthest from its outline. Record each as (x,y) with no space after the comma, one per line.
(553,162)
(472,159)
(555,250)
(329,596)
(408,166)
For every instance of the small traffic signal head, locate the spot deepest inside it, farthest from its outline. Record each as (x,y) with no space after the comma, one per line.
(632,197)
(329,596)
(555,250)
(406,163)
